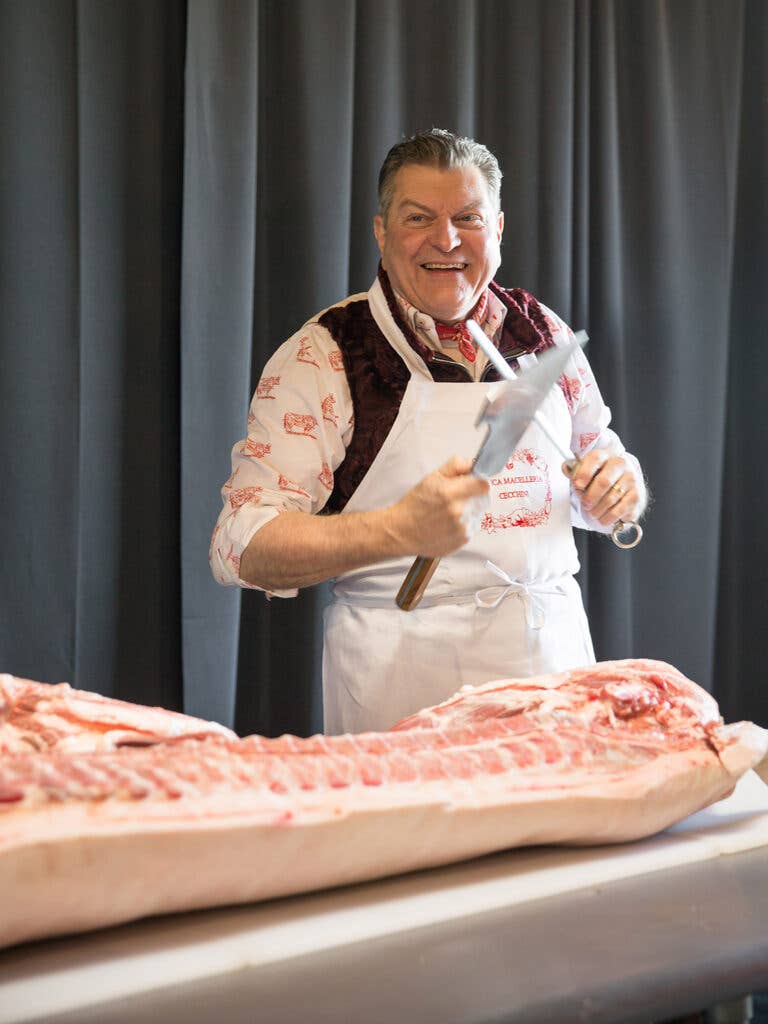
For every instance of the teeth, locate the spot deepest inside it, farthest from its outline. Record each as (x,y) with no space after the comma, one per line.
(444,266)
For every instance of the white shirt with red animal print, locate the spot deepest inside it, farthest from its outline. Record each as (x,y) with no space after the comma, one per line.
(300,424)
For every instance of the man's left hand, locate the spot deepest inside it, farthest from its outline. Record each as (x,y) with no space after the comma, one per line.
(606,488)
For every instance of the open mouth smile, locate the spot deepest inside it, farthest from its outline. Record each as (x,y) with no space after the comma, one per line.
(444,266)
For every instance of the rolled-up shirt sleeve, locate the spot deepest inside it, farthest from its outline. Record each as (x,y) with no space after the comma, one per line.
(590,422)
(299,426)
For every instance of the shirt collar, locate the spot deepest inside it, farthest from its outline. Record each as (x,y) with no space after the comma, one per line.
(423,325)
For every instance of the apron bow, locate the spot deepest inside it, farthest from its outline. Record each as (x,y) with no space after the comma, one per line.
(531,594)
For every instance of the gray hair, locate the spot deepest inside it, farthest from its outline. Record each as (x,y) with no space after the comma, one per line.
(438,148)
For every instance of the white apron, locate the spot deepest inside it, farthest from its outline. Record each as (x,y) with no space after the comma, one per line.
(504,605)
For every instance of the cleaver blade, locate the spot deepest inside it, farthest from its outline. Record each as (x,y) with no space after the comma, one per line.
(509,414)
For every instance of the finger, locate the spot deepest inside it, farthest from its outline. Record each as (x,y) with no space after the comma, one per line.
(619,501)
(597,496)
(623,511)
(456,466)
(587,469)
(461,488)
(604,493)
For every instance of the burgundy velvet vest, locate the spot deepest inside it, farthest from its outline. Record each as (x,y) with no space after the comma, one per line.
(378,376)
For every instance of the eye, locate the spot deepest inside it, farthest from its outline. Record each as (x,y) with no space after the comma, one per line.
(470,218)
(415,218)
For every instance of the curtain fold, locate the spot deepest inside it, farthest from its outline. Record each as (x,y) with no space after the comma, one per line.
(659,235)
(90,158)
(217,308)
(183,184)
(129,137)
(39,356)
(741,647)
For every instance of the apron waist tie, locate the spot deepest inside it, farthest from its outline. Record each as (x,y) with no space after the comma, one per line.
(531,594)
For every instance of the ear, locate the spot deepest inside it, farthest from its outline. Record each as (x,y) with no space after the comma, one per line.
(500,226)
(380,232)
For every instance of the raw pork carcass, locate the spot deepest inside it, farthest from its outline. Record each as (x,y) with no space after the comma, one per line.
(36,716)
(608,753)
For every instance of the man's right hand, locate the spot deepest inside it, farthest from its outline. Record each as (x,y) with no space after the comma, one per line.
(430,520)
(296,549)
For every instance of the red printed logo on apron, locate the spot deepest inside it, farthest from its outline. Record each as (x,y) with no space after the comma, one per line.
(304,355)
(329,409)
(266,386)
(290,485)
(326,476)
(245,495)
(255,449)
(522,493)
(300,423)
(336,360)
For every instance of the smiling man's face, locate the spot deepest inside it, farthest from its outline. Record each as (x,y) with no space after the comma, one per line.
(440,242)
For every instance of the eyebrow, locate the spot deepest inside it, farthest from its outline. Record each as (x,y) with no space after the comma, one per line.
(426,209)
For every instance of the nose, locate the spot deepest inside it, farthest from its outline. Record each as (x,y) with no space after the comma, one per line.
(445,234)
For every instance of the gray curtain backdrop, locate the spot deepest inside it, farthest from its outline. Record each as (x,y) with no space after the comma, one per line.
(183,184)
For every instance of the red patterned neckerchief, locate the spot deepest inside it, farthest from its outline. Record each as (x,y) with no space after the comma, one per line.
(459,334)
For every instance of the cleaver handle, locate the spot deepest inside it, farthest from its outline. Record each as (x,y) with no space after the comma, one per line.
(416,579)
(415,582)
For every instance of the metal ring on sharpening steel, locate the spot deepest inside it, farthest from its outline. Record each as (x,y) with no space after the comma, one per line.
(622,527)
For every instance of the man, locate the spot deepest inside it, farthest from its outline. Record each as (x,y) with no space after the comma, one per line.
(366,414)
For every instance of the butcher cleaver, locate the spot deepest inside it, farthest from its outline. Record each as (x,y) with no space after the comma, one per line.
(506,417)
